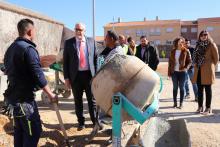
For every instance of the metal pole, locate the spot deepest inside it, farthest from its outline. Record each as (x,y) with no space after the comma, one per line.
(93,16)
(116,120)
(113,26)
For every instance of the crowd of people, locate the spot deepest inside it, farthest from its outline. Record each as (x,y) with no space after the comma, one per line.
(25,76)
(196,65)
(186,65)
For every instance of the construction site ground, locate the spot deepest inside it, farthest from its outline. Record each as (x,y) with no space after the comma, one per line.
(204,130)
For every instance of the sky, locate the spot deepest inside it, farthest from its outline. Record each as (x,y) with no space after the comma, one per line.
(70,12)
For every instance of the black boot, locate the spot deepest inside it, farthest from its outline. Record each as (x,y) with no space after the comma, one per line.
(175,105)
(181,106)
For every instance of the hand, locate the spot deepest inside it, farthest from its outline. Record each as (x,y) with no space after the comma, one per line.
(53,98)
(67,83)
(168,78)
(5,110)
(185,69)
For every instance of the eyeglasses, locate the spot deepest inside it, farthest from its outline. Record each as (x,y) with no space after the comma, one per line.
(78,30)
(204,35)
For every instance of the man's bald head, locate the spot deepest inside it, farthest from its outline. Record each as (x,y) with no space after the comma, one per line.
(80,29)
(79,24)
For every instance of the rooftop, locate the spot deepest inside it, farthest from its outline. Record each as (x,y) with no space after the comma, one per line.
(212,19)
(143,23)
(189,23)
(162,22)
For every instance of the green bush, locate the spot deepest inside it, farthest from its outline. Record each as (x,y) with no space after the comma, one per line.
(163,54)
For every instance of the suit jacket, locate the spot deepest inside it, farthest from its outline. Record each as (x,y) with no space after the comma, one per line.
(152,56)
(71,59)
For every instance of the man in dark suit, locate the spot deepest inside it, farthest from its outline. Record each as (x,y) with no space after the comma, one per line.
(148,53)
(79,67)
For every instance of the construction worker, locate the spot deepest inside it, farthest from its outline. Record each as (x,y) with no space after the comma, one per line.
(122,42)
(25,76)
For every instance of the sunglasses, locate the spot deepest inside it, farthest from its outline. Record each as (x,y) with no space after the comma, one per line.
(204,35)
(79,30)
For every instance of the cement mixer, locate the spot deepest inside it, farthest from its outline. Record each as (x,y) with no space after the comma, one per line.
(125,82)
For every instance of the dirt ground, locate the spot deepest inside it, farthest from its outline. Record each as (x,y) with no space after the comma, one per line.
(204,130)
(52,136)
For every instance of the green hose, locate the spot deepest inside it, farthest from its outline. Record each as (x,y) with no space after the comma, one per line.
(161,82)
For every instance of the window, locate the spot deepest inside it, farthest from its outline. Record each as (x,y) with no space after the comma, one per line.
(194,30)
(193,42)
(138,33)
(127,32)
(184,30)
(144,32)
(138,42)
(169,42)
(158,30)
(155,32)
(210,29)
(157,42)
(169,30)
(151,42)
(152,30)
(141,33)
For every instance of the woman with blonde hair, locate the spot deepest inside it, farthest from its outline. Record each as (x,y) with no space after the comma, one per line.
(205,58)
(179,63)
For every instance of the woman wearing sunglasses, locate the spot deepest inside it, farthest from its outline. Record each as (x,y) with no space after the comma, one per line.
(205,58)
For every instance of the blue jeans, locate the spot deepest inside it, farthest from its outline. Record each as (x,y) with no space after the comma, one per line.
(179,80)
(189,77)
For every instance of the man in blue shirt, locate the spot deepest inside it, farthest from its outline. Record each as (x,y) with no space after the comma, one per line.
(25,76)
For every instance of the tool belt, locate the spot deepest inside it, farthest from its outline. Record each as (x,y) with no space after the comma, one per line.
(23,110)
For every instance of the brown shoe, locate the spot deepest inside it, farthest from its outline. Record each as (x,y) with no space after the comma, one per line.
(207,111)
(80,127)
(199,110)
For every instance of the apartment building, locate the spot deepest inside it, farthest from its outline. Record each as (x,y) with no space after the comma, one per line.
(163,32)
(212,25)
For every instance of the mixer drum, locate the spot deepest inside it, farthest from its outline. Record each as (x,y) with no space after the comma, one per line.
(128,75)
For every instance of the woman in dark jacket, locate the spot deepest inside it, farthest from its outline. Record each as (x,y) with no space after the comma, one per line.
(179,63)
(205,58)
